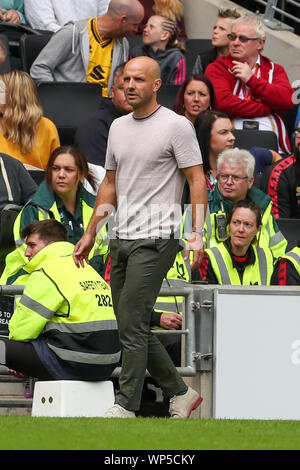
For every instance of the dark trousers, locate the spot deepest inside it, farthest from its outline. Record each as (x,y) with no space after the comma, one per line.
(21,356)
(137,271)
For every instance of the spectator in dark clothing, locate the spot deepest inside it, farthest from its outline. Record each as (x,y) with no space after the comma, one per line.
(282,183)
(16,184)
(91,136)
(287,269)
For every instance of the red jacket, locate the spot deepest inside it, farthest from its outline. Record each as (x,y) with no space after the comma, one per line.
(271,93)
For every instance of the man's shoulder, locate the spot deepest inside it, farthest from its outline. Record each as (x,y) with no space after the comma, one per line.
(260,198)
(284,166)
(220,63)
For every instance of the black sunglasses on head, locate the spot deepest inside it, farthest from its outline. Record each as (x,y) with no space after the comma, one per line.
(243,39)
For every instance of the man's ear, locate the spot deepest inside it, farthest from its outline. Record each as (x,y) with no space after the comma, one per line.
(157,84)
(250,182)
(261,44)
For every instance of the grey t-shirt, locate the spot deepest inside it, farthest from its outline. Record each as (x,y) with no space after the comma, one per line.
(148,154)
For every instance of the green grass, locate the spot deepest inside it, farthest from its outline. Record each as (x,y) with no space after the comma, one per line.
(19,433)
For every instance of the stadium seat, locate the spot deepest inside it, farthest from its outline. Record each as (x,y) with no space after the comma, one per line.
(291,230)
(30,47)
(289,118)
(193,48)
(7,243)
(37,175)
(5,67)
(247,138)
(134,41)
(68,104)
(167,94)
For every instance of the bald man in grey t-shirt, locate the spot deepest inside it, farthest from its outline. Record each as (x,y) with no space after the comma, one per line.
(150,153)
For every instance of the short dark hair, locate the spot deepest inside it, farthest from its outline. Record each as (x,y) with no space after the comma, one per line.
(49,230)
(179,100)
(246,204)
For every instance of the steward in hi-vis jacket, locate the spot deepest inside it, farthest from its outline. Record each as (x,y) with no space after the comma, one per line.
(67,314)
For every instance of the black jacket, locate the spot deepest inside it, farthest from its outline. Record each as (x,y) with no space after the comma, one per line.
(204,59)
(91,136)
(282,182)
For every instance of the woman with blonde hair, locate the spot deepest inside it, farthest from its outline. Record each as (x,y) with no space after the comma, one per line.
(25,133)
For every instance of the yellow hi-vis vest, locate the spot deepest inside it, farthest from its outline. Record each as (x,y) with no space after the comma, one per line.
(294,257)
(16,259)
(267,237)
(178,276)
(70,307)
(258,273)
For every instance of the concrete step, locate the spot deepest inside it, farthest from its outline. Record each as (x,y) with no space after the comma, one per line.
(15,406)
(10,385)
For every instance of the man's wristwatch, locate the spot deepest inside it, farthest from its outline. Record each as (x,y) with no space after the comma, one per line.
(200,230)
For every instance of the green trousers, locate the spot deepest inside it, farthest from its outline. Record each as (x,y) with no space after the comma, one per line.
(137,271)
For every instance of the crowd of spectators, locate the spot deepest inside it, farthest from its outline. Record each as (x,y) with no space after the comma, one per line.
(233,86)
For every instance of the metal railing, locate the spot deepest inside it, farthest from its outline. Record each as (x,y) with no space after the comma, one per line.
(190,355)
(271,8)
(189,331)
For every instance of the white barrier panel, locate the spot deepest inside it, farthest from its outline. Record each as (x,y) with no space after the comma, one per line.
(257,354)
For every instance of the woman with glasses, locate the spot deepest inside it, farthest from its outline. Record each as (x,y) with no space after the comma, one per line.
(238,260)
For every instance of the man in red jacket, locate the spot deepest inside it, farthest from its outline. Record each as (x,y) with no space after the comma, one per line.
(249,86)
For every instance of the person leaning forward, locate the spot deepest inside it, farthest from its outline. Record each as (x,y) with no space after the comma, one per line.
(63,327)
(150,153)
(89,50)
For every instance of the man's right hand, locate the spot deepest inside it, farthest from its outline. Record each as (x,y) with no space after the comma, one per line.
(83,248)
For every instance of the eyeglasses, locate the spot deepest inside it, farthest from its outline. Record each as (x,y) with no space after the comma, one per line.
(243,39)
(236,179)
(297,131)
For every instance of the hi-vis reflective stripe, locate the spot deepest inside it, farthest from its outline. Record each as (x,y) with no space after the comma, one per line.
(276,238)
(225,278)
(36,307)
(168,306)
(225,275)
(263,266)
(293,255)
(84,327)
(85,358)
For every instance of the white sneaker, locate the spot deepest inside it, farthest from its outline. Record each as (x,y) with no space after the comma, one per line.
(117,411)
(181,406)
